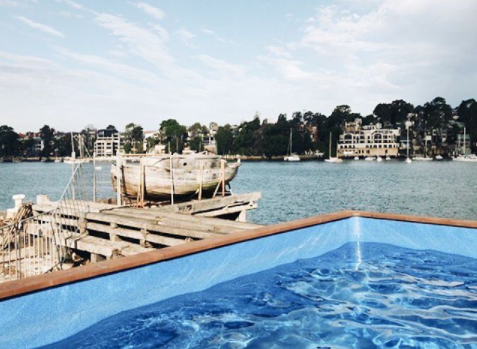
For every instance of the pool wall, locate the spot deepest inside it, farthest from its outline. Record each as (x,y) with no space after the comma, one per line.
(45,309)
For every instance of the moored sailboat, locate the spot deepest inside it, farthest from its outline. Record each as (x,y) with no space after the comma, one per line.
(291,156)
(331,159)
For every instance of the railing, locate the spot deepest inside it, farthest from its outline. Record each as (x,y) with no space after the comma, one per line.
(39,243)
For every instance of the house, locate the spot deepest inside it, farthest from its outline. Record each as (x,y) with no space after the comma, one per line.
(370,140)
(108,141)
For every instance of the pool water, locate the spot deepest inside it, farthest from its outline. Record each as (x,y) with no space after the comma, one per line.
(359,296)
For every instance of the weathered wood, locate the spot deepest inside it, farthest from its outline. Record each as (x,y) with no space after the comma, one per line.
(211,222)
(224,211)
(135,234)
(193,207)
(141,224)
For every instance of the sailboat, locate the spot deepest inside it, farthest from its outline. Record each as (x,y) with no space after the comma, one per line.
(423,158)
(336,159)
(72,159)
(291,156)
(408,159)
(465,157)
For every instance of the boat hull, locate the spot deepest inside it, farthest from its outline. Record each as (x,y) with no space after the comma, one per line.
(157,180)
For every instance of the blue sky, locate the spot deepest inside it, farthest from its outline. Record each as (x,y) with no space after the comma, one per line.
(70,63)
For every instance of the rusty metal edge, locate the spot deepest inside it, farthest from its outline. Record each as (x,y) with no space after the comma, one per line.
(17,288)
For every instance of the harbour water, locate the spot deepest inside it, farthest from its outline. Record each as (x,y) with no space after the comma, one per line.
(394,298)
(297,190)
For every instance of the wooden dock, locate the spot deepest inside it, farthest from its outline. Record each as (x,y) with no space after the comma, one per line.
(106,231)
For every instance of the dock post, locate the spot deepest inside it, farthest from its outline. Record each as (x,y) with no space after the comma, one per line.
(201,168)
(94,176)
(222,169)
(172,179)
(118,178)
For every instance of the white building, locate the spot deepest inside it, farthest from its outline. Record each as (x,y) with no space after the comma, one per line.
(108,141)
(371,140)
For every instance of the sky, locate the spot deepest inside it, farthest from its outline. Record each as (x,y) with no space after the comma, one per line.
(71,63)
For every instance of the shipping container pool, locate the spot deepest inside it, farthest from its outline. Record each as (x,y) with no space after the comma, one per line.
(349,279)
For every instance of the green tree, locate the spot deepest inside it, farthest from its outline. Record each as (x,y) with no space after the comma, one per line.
(9,143)
(196,144)
(224,139)
(46,134)
(134,136)
(467,111)
(174,134)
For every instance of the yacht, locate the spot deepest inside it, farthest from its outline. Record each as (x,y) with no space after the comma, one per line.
(379,159)
(388,158)
(439,157)
(356,157)
(465,157)
(335,160)
(369,158)
(291,156)
(422,158)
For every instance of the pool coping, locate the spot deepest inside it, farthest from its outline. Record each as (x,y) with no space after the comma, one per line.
(37,283)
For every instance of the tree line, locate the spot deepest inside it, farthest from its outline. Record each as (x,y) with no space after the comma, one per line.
(262,137)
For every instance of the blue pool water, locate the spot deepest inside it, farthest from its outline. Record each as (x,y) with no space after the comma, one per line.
(361,295)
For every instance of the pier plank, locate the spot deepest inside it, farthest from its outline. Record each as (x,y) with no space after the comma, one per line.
(196,206)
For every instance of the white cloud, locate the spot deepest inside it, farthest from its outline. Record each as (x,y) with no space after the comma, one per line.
(72,4)
(154,12)
(278,51)
(185,34)
(41,27)
(224,68)
(217,36)
(139,41)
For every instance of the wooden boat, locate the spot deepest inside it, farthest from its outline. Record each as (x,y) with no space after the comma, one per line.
(190,173)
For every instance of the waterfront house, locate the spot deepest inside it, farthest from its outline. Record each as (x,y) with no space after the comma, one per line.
(108,142)
(370,140)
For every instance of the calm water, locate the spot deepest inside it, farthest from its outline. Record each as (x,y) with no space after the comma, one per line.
(396,298)
(296,190)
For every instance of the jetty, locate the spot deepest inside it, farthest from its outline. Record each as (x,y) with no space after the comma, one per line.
(72,233)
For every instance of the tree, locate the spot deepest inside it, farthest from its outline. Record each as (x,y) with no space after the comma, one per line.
(46,134)
(134,136)
(196,144)
(9,143)
(467,112)
(174,133)
(224,140)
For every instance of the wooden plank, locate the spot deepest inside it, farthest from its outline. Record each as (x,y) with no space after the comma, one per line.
(135,234)
(159,213)
(141,224)
(186,221)
(134,222)
(225,211)
(99,246)
(193,207)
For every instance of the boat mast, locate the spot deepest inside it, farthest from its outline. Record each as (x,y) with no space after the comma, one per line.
(80,144)
(73,155)
(463,142)
(407,143)
(425,146)
(330,145)
(290,143)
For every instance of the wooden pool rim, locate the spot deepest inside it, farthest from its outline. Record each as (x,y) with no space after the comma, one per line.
(41,282)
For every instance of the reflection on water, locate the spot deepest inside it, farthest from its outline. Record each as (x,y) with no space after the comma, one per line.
(296,190)
(396,298)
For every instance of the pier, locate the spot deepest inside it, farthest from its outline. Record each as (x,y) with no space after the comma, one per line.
(72,233)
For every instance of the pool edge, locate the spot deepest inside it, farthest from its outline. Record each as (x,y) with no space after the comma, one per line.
(41,282)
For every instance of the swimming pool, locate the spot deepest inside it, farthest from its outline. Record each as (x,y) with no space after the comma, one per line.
(343,279)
